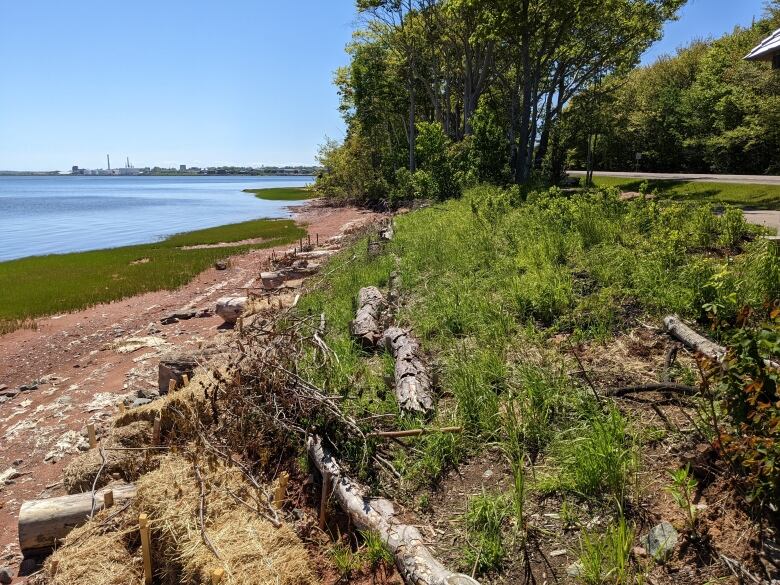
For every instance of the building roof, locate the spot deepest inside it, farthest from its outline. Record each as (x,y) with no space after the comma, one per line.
(767,50)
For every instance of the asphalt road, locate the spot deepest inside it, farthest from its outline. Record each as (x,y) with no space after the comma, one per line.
(697,178)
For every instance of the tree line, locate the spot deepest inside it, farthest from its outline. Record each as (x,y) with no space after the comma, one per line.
(704,109)
(439,94)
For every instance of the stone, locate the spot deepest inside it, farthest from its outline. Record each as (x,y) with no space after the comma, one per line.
(139,402)
(8,476)
(488,474)
(152,329)
(661,541)
(575,569)
(202,313)
(178,315)
(5,575)
(231,308)
(220,265)
(28,387)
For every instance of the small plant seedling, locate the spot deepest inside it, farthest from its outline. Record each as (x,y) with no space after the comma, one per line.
(682,491)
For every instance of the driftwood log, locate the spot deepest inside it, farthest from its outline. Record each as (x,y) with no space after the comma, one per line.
(412,382)
(387,232)
(42,523)
(366,324)
(414,560)
(695,341)
(698,342)
(231,308)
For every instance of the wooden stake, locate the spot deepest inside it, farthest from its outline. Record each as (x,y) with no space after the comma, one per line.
(122,408)
(108,499)
(281,490)
(216,576)
(324,500)
(146,546)
(91,435)
(53,566)
(156,431)
(185,379)
(318,239)
(171,386)
(240,324)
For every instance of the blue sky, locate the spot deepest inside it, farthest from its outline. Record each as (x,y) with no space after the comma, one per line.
(169,82)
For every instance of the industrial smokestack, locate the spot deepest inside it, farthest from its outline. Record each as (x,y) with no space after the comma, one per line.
(108,162)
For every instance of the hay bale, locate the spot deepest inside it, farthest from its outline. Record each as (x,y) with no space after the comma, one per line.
(98,553)
(79,474)
(250,548)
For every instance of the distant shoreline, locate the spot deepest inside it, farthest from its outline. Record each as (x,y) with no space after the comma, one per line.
(302,172)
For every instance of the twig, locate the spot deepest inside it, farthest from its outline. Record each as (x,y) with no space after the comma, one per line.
(201,507)
(97,477)
(414,432)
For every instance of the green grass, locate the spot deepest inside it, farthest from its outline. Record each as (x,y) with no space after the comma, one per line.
(44,285)
(738,194)
(283,193)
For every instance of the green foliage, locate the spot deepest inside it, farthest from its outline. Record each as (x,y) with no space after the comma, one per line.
(748,388)
(606,558)
(702,110)
(43,285)
(596,459)
(283,193)
(485,517)
(683,490)
(374,552)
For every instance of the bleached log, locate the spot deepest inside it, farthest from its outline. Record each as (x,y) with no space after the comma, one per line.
(698,342)
(315,254)
(366,324)
(272,280)
(414,560)
(42,523)
(412,382)
(692,339)
(387,232)
(231,308)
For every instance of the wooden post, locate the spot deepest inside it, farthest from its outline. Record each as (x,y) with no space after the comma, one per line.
(171,386)
(240,324)
(146,546)
(318,239)
(122,408)
(91,435)
(309,238)
(156,431)
(324,499)
(108,499)
(53,566)
(281,490)
(185,380)
(216,576)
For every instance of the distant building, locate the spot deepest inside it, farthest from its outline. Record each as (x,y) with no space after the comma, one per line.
(182,168)
(768,50)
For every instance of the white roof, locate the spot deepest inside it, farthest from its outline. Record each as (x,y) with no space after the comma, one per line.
(768,48)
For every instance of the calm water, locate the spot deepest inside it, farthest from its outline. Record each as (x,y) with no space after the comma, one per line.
(47,215)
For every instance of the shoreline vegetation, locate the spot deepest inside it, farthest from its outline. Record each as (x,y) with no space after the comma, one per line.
(737,194)
(38,286)
(284,193)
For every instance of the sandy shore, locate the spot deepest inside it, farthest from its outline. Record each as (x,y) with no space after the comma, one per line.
(78,366)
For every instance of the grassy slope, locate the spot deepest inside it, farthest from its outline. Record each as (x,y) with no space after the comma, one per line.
(42,285)
(741,195)
(283,193)
(487,287)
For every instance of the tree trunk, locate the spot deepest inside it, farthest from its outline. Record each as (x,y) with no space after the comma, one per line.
(42,523)
(413,559)
(412,129)
(692,339)
(366,324)
(412,382)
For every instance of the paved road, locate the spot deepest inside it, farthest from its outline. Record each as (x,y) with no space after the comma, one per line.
(697,178)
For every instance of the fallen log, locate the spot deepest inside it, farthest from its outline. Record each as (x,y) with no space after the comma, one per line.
(42,523)
(387,232)
(414,560)
(231,308)
(692,339)
(698,342)
(412,382)
(366,324)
